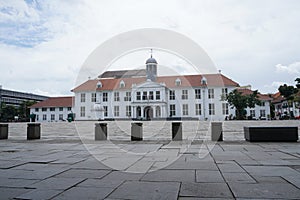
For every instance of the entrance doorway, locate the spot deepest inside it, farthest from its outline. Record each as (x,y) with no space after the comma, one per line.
(148,113)
(138,112)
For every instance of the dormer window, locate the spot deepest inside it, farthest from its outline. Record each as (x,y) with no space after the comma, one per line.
(177,82)
(99,84)
(122,84)
(204,81)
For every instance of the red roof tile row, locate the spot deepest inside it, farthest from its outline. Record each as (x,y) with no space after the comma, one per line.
(54,102)
(169,81)
(262,97)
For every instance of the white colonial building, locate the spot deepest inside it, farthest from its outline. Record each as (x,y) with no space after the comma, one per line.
(52,109)
(153,97)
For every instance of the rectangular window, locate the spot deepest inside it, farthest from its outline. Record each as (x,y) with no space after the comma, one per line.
(211,93)
(60,116)
(116,96)
(211,109)
(157,95)
(172,95)
(198,109)
(262,113)
(82,111)
(138,96)
(172,110)
(94,97)
(184,94)
(37,117)
(262,103)
(105,97)
(82,97)
(225,108)
(36,109)
(224,92)
(197,93)
(128,111)
(105,111)
(252,113)
(61,109)
(52,117)
(144,96)
(44,117)
(116,111)
(44,109)
(127,96)
(69,108)
(185,109)
(52,109)
(151,96)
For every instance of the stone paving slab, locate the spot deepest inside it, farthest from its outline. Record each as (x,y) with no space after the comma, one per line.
(80,193)
(205,190)
(265,190)
(40,194)
(146,190)
(60,166)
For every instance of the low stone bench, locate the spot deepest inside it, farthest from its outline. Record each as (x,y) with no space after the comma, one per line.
(3,131)
(271,134)
(101,131)
(136,131)
(176,131)
(33,131)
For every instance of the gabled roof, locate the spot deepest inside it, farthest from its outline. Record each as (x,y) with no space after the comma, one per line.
(54,102)
(262,97)
(169,81)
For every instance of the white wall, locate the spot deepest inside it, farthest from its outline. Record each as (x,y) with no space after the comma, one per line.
(48,113)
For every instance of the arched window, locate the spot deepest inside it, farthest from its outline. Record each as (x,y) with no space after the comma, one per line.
(178,82)
(122,84)
(157,111)
(204,81)
(99,84)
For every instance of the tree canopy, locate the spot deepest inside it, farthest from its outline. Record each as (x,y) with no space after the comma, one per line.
(287,91)
(240,102)
(297,80)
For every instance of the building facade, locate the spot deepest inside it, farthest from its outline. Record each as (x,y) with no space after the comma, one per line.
(285,109)
(53,109)
(15,98)
(157,97)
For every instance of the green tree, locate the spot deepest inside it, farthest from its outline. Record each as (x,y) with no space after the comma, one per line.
(240,102)
(298,83)
(24,110)
(8,112)
(287,91)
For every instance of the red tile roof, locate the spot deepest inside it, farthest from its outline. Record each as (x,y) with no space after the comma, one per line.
(262,97)
(186,81)
(54,102)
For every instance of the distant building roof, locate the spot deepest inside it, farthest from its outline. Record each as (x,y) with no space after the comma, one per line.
(262,97)
(54,102)
(169,81)
(123,74)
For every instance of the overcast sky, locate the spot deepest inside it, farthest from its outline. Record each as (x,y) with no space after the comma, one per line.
(44,43)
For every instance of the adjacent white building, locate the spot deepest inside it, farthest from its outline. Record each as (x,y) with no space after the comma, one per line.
(285,108)
(153,97)
(52,109)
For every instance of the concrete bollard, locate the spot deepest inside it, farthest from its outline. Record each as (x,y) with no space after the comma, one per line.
(176,131)
(101,131)
(33,131)
(3,131)
(216,131)
(136,131)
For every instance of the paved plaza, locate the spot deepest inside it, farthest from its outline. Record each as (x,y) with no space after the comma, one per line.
(67,163)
